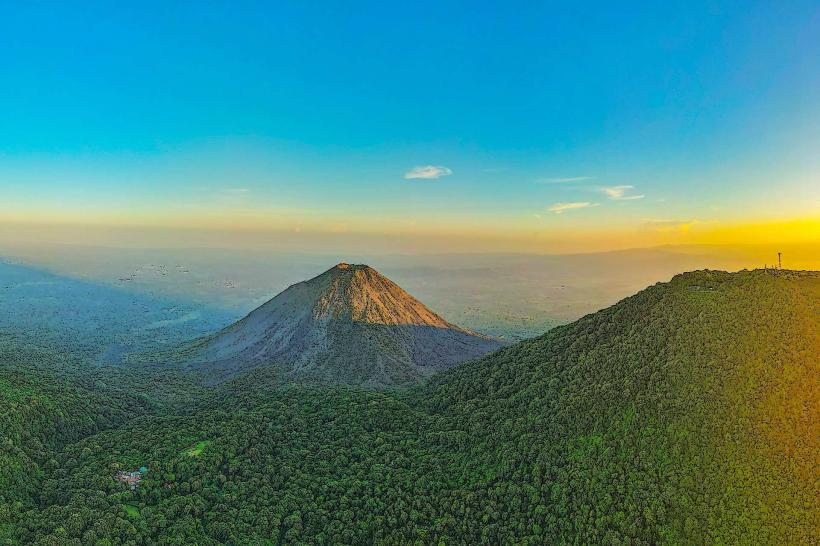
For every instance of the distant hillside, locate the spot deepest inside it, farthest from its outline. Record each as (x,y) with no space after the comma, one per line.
(348,325)
(686,414)
(93,321)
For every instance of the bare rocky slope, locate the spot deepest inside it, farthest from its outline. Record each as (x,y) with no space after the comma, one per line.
(348,325)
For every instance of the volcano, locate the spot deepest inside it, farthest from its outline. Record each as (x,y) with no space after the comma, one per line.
(348,325)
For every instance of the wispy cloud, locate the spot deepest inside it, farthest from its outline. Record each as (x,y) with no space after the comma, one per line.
(620,193)
(565,180)
(427,172)
(670,226)
(235,190)
(558,208)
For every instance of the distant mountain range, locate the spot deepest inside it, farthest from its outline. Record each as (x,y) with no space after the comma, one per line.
(348,325)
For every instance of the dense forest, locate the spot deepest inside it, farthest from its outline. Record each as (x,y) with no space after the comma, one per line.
(686,414)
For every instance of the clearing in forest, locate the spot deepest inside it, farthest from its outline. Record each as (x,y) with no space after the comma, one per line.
(197,449)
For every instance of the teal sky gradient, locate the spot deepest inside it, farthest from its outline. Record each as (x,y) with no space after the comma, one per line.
(316,110)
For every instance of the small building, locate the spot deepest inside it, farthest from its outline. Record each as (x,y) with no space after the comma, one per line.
(133,479)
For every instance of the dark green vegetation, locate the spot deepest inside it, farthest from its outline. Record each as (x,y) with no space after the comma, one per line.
(686,414)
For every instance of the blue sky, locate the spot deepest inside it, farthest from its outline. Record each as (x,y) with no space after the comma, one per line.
(314,112)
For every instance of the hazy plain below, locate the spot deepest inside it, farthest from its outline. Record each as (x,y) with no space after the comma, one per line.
(506,295)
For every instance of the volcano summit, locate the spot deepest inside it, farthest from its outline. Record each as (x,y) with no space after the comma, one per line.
(348,325)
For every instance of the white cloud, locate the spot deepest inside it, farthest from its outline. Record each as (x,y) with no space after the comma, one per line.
(235,190)
(558,208)
(619,193)
(670,226)
(427,172)
(565,180)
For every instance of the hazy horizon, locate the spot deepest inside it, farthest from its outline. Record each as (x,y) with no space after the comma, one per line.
(512,295)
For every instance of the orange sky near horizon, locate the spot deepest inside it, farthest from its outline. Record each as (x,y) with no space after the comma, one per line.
(385,236)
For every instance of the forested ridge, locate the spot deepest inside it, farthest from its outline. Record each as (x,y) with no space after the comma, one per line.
(686,414)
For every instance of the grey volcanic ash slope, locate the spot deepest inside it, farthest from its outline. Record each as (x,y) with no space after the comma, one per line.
(348,325)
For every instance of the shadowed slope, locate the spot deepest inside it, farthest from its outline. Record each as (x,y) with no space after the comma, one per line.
(348,325)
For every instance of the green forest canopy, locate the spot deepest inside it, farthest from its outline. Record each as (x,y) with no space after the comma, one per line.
(688,413)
